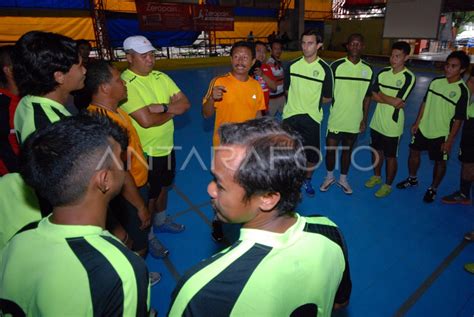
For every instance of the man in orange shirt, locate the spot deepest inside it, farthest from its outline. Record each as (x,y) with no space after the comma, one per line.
(233,97)
(130,208)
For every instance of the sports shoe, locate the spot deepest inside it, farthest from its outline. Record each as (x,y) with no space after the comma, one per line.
(155,277)
(217,234)
(430,195)
(346,188)
(469,236)
(469,267)
(168,226)
(156,249)
(456,198)
(308,187)
(327,183)
(373,181)
(409,182)
(383,191)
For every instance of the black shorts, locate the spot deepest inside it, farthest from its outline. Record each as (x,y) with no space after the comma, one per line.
(466,154)
(420,143)
(386,144)
(161,173)
(310,131)
(342,137)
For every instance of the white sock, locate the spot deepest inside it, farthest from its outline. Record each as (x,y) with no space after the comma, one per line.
(343,178)
(330,174)
(159,218)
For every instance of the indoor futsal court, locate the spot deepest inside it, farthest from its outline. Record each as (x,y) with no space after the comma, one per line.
(406,256)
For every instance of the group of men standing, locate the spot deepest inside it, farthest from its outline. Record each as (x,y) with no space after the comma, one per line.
(75,166)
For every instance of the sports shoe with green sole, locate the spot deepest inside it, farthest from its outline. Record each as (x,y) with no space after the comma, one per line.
(383,191)
(373,181)
(469,267)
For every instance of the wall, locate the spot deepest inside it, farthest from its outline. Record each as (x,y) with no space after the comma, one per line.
(371,29)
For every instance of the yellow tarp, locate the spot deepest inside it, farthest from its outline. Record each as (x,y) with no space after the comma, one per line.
(74,27)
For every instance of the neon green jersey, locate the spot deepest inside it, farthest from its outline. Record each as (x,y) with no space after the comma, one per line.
(302,271)
(352,83)
(72,271)
(444,102)
(397,85)
(155,88)
(18,206)
(307,83)
(35,112)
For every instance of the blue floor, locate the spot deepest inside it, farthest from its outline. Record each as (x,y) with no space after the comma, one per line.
(406,256)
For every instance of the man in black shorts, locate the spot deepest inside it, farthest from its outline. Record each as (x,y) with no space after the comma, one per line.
(309,82)
(439,120)
(153,101)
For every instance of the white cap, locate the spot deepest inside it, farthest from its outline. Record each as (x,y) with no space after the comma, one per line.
(138,43)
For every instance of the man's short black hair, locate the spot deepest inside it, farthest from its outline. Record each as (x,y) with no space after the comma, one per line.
(249,45)
(274,163)
(37,56)
(402,46)
(462,57)
(354,36)
(319,38)
(98,73)
(277,41)
(60,160)
(260,43)
(5,60)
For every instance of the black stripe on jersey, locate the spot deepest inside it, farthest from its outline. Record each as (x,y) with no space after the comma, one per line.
(132,79)
(336,64)
(352,78)
(105,284)
(306,77)
(40,117)
(219,296)
(7,307)
(334,234)
(141,275)
(196,269)
(59,113)
(442,96)
(408,79)
(389,87)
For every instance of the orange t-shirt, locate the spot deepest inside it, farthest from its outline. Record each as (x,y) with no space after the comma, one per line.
(241,101)
(136,162)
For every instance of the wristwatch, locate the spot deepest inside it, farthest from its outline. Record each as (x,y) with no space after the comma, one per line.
(165,108)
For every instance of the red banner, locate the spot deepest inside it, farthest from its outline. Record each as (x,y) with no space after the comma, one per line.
(213,18)
(155,16)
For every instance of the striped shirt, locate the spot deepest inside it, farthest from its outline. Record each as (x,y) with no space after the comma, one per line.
(69,270)
(300,272)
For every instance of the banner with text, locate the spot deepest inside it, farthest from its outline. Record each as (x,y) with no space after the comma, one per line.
(155,16)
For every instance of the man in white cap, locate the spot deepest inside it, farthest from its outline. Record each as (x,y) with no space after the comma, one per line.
(153,101)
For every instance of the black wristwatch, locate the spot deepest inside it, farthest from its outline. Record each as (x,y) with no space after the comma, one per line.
(165,108)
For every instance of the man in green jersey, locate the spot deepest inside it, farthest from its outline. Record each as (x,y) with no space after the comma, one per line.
(153,101)
(439,119)
(283,264)
(47,67)
(67,264)
(309,82)
(352,91)
(391,89)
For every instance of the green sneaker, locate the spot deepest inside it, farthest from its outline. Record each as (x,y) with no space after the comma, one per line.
(469,267)
(374,180)
(383,191)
